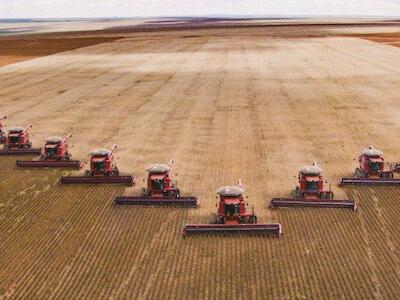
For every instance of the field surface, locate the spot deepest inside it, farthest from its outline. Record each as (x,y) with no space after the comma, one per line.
(224,105)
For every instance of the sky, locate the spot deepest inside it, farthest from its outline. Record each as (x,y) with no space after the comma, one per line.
(145,8)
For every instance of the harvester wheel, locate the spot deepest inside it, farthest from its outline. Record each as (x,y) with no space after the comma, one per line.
(116,171)
(213,219)
(358,173)
(28,145)
(327,196)
(253,219)
(296,193)
(387,175)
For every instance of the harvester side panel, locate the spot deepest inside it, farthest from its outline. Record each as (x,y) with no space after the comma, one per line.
(180,201)
(273,229)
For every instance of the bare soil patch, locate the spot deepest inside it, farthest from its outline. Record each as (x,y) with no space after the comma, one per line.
(18,49)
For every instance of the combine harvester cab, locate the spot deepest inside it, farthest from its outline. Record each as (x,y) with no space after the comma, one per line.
(17,142)
(233,217)
(102,170)
(54,155)
(160,190)
(311,193)
(2,134)
(371,171)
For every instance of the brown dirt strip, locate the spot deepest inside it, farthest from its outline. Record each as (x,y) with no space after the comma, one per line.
(14,50)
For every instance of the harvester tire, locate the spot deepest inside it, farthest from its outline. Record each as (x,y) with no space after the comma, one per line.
(358,173)
(213,219)
(296,193)
(253,219)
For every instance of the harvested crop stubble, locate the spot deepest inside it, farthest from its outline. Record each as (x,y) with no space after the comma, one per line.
(69,242)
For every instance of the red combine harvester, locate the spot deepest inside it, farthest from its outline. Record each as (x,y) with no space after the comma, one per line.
(2,134)
(371,170)
(102,170)
(54,155)
(233,217)
(160,190)
(17,142)
(311,193)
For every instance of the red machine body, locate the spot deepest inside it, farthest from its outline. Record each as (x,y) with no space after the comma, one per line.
(56,148)
(232,209)
(161,190)
(233,216)
(2,134)
(102,170)
(311,185)
(102,162)
(17,142)
(54,154)
(371,170)
(311,192)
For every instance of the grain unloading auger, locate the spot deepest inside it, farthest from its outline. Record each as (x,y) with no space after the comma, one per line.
(160,190)
(233,217)
(2,134)
(102,170)
(17,142)
(371,171)
(54,155)
(311,193)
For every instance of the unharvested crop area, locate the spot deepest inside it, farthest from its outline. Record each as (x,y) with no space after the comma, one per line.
(224,105)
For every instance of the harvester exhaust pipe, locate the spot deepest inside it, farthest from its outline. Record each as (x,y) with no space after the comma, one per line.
(240,183)
(69,135)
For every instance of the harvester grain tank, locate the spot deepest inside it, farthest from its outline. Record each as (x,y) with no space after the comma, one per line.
(54,155)
(2,134)
(371,170)
(161,190)
(17,142)
(234,217)
(102,170)
(311,192)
